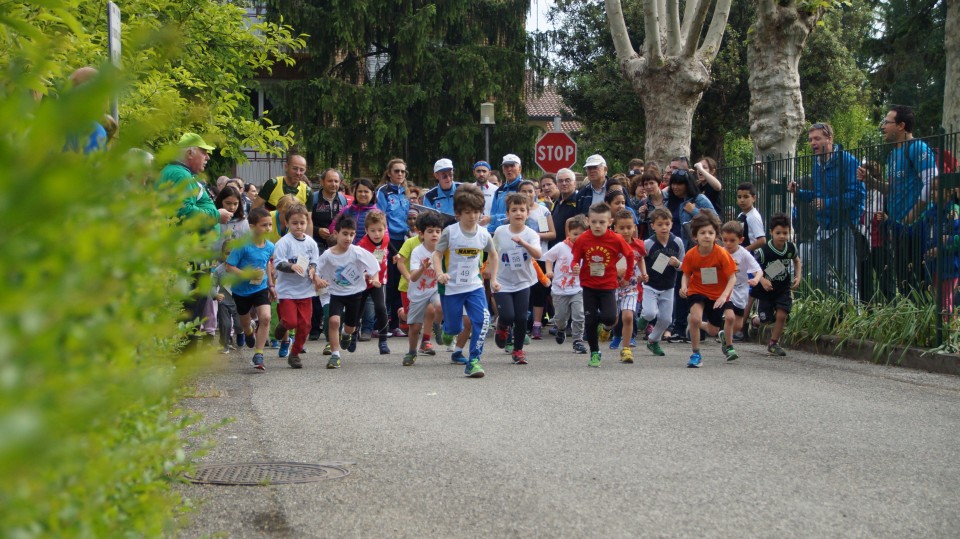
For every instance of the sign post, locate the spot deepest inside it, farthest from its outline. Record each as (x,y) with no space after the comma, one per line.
(555,150)
(113,43)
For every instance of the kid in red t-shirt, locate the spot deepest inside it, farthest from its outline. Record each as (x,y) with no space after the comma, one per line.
(595,256)
(709,274)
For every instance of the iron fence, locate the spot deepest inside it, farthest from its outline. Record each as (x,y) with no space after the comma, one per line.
(870,223)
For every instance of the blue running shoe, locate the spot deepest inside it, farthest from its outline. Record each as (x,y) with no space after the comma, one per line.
(257,362)
(458,358)
(633,343)
(695,361)
(284,348)
(615,343)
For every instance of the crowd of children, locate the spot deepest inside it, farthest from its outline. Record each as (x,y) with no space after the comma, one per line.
(604,279)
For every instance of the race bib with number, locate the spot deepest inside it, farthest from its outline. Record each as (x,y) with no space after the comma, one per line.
(708,275)
(542,223)
(379,254)
(597,269)
(660,263)
(515,259)
(774,269)
(302,262)
(352,274)
(463,274)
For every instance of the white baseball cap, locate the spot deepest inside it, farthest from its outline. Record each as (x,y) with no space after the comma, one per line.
(510,159)
(595,160)
(443,164)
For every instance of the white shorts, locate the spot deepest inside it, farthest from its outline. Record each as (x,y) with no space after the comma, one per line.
(417,310)
(628,301)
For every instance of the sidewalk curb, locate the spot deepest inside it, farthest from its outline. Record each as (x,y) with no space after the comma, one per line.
(911,358)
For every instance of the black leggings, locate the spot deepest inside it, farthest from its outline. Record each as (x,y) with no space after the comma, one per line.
(379,307)
(512,308)
(599,306)
(393,277)
(539,293)
(347,308)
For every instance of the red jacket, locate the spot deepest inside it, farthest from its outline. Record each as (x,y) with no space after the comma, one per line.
(600,254)
(384,249)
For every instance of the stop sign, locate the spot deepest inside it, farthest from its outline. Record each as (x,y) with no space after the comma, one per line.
(555,150)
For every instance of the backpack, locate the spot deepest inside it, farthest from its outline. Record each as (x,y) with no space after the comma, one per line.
(316,200)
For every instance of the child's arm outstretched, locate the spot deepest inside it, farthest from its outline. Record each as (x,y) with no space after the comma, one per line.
(731,282)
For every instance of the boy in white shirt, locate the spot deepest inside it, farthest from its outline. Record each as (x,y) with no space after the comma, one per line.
(295,257)
(748,274)
(422,289)
(346,269)
(519,247)
(458,256)
(565,290)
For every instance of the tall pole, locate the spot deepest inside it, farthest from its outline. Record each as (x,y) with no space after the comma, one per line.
(487,121)
(486,153)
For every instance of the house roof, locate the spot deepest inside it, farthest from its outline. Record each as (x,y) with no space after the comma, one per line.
(546,104)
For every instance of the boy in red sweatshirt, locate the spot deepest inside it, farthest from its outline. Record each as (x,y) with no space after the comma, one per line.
(376,240)
(595,256)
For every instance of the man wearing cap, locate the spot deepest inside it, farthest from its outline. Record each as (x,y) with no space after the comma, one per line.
(481,173)
(440,197)
(596,189)
(512,176)
(180,178)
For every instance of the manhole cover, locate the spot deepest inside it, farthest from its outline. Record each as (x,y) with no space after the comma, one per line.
(266,473)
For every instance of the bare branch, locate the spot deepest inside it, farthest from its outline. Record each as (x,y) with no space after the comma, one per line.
(673,27)
(718,24)
(661,18)
(651,27)
(688,14)
(618,31)
(691,38)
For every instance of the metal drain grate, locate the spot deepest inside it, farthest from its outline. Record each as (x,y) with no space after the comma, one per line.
(266,473)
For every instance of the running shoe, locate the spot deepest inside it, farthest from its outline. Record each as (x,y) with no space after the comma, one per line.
(427,349)
(519,358)
(274,343)
(326,350)
(633,343)
(604,333)
(409,359)
(537,333)
(594,359)
(398,333)
(508,348)
(446,338)
(384,349)
(774,349)
(614,343)
(500,337)
(257,362)
(294,362)
(655,348)
(626,355)
(695,361)
(458,358)
(348,343)
(730,353)
(251,340)
(561,336)
(284,348)
(473,368)
(333,362)
(579,347)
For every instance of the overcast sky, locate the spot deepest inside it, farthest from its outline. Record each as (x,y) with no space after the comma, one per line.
(538,15)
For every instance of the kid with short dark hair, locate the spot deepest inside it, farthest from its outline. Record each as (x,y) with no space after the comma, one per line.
(774,295)
(422,295)
(595,255)
(296,256)
(565,290)
(519,247)
(749,218)
(256,291)
(624,223)
(347,269)
(748,274)
(664,256)
(458,255)
(377,242)
(709,274)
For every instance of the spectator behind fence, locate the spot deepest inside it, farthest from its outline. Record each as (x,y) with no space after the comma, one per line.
(837,200)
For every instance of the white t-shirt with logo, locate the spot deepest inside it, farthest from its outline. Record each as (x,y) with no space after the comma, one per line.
(462,255)
(565,281)
(426,286)
(305,251)
(515,271)
(746,264)
(345,272)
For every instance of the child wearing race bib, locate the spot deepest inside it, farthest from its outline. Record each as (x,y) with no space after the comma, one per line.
(565,290)
(595,256)
(664,255)
(458,255)
(346,269)
(295,257)
(624,223)
(709,274)
(255,291)
(377,242)
(518,246)
(748,274)
(774,295)
(421,292)
(541,222)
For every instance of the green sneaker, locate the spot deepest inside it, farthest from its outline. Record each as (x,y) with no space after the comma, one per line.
(730,353)
(334,362)
(775,350)
(326,350)
(508,348)
(526,339)
(655,348)
(446,338)
(409,359)
(474,369)
(594,359)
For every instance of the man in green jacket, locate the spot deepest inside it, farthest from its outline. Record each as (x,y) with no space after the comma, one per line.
(181,175)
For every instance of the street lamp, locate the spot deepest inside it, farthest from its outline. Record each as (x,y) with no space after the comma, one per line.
(486,120)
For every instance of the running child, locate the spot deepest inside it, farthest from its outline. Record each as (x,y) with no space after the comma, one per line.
(422,292)
(402,260)
(566,291)
(519,248)
(595,256)
(709,274)
(346,269)
(377,242)
(256,290)
(458,255)
(624,223)
(664,257)
(748,274)
(295,257)
(749,218)
(775,293)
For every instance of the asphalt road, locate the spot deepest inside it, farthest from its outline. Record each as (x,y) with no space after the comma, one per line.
(802,446)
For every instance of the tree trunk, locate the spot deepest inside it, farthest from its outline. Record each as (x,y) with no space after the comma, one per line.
(951,87)
(773,56)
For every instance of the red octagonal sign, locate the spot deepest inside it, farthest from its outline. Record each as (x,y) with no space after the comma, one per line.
(555,150)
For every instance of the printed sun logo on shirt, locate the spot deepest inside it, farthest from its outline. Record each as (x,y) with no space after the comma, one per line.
(347,275)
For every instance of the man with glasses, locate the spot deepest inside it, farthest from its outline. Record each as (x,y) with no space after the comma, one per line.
(566,205)
(596,189)
(836,200)
(481,173)
(512,176)
(440,197)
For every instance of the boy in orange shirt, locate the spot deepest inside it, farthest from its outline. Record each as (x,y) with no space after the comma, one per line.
(709,274)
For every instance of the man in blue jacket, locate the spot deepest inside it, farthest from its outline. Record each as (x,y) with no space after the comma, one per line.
(440,197)
(596,188)
(512,176)
(837,201)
